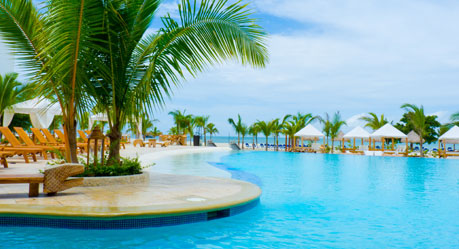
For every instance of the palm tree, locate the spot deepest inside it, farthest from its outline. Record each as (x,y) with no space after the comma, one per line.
(254,129)
(180,119)
(417,118)
(373,121)
(237,127)
(205,119)
(266,128)
(57,45)
(12,91)
(155,132)
(298,122)
(335,126)
(327,126)
(190,124)
(211,129)
(201,122)
(136,71)
(244,130)
(455,118)
(147,124)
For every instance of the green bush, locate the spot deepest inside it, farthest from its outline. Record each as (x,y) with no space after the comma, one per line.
(127,166)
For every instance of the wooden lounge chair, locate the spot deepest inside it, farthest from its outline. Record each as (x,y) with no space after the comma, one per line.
(18,148)
(26,139)
(4,155)
(41,138)
(82,146)
(54,179)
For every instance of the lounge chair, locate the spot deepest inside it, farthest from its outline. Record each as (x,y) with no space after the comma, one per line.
(26,139)
(82,146)
(20,149)
(4,155)
(42,140)
(54,179)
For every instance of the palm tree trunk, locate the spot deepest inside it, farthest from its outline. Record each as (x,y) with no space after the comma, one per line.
(71,143)
(242,142)
(286,139)
(205,141)
(422,149)
(114,149)
(266,145)
(239,139)
(332,145)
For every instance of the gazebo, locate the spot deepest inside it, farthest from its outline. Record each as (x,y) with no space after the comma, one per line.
(414,138)
(388,132)
(40,110)
(308,133)
(359,133)
(450,137)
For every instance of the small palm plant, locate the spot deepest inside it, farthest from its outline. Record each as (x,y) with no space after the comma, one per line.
(211,129)
(254,129)
(237,126)
(335,126)
(266,128)
(417,118)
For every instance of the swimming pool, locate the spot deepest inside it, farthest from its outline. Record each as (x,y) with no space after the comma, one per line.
(308,200)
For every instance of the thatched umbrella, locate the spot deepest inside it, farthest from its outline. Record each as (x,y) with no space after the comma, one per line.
(340,138)
(414,138)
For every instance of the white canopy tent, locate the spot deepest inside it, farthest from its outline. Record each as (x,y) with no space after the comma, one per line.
(388,131)
(359,133)
(309,133)
(41,112)
(450,137)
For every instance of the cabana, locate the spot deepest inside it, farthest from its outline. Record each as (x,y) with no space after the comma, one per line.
(308,133)
(414,138)
(359,133)
(40,110)
(450,137)
(388,132)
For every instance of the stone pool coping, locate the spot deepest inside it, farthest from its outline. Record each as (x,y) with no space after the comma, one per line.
(115,180)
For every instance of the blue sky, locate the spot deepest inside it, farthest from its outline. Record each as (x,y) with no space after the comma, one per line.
(353,56)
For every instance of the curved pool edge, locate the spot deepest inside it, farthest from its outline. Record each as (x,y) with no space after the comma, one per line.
(189,208)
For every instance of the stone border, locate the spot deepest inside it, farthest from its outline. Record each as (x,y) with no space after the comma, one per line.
(115,180)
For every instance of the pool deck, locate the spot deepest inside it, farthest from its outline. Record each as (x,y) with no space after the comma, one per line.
(164,195)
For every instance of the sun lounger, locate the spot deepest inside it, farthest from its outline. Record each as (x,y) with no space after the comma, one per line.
(54,179)
(82,146)
(26,139)
(41,138)
(18,148)
(4,155)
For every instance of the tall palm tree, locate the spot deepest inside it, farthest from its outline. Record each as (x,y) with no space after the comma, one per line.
(237,126)
(57,45)
(325,120)
(417,118)
(373,121)
(137,71)
(254,129)
(205,119)
(211,129)
(244,130)
(335,126)
(266,128)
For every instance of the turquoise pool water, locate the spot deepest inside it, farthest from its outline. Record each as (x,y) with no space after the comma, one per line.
(309,200)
